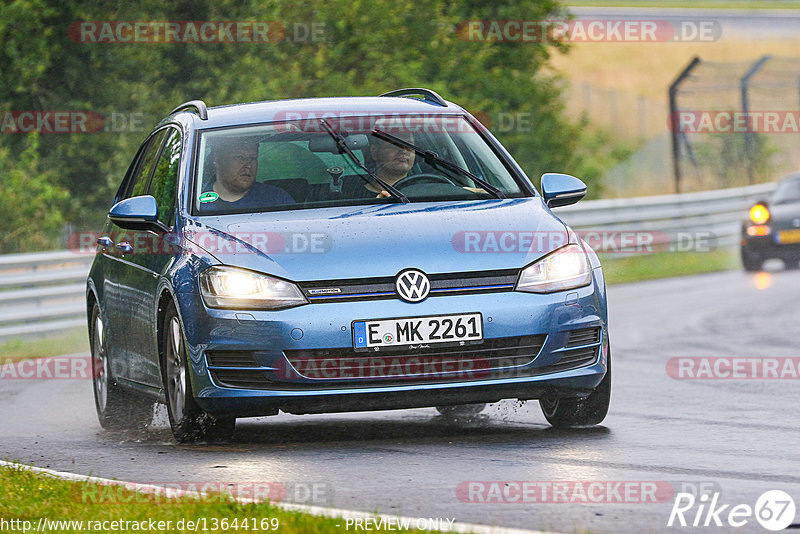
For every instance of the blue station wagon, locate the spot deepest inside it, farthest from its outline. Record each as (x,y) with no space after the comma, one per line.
(340,254)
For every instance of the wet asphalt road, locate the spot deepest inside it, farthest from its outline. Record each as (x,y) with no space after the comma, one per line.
(737,436)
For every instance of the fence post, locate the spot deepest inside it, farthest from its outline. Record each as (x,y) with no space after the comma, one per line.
(673,120)
(748,133)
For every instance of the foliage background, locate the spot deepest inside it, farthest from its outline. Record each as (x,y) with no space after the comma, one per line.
(369,47)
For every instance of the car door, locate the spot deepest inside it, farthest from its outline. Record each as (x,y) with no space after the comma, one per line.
(126,297)
(155,254)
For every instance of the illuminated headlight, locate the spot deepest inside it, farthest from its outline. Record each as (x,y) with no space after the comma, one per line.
(759,214)
(566,268)
(227,287)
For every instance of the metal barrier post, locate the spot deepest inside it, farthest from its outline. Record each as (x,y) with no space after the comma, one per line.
(674,123)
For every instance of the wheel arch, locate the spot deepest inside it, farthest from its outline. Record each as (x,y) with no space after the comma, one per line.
(165,298)
(91,300)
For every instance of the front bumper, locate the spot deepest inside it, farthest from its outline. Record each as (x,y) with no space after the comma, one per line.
(768,246)
(268,337)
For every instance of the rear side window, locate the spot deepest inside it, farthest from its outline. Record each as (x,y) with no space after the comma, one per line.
(164,185)
(141,176)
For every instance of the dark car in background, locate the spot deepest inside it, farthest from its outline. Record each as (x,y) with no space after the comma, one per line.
(772,227)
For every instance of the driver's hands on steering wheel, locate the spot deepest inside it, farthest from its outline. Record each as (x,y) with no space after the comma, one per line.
(384,193)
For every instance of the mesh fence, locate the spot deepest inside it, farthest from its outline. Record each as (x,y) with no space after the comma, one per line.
(737,123)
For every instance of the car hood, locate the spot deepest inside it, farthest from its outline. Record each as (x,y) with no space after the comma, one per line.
(785,213)
(382,240)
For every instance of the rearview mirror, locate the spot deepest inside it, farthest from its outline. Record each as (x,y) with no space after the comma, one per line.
(136,213)
(326,143)
(561,189)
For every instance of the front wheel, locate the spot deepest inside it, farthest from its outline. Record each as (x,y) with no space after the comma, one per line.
(586,411)
(751,262)
(188,421)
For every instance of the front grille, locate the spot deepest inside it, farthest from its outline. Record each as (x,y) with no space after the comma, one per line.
(476,361)
(584,336)
(323,291)
(231,358)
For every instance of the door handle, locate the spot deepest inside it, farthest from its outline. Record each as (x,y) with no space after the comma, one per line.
(105,242)
(124,247)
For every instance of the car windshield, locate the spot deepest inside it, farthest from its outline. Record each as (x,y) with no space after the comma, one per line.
(788,191)
(346,161)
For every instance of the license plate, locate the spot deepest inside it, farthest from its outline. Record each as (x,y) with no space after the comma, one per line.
(789,236)
(417,332)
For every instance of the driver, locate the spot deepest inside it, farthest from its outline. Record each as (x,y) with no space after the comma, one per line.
(392,164)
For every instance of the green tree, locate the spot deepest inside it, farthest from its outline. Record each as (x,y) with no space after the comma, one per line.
(29,201)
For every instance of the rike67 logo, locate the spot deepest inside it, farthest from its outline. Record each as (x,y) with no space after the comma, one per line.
(774,510)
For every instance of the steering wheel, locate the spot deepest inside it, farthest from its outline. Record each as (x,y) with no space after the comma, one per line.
(424,177)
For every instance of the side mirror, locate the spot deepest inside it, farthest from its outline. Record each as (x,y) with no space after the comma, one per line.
(136,213)
(561,189)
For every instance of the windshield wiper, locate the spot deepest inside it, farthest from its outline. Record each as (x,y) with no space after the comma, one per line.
(344,149)
(433,159)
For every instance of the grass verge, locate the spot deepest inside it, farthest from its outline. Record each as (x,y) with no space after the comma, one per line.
(29,496)
(667,264)
(72,341)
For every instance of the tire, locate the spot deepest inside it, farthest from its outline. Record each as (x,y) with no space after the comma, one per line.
(117,409)
(791,264)
(461,411)
(189,422)
(750,262)
(586,411)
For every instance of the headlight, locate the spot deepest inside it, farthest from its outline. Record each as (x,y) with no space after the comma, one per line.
(228,287)
(759,214)
(566,268)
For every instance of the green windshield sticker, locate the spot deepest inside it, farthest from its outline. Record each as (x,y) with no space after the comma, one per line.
(210,196)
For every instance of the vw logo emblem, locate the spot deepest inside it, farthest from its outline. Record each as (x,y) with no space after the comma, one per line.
(412,285)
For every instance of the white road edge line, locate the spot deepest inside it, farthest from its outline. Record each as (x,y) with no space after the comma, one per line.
(461,528)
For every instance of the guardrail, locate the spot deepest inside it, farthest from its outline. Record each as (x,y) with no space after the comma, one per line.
(44,292)
(713,216)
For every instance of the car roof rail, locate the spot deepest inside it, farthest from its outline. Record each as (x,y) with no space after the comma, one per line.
(429,96)
(199,105)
